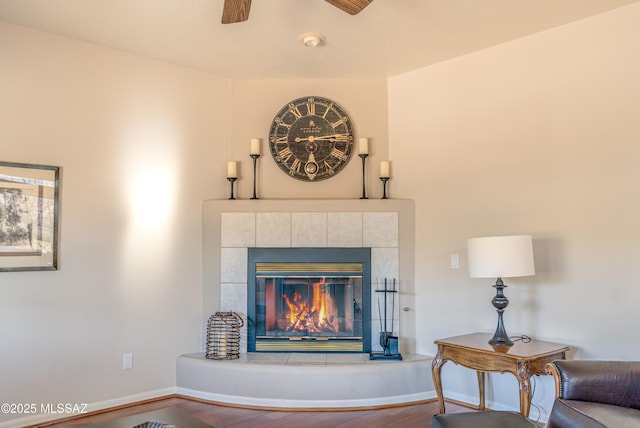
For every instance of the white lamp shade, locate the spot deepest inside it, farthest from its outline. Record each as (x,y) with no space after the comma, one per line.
(500,256)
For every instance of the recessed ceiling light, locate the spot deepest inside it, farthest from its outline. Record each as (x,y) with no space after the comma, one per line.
(311,40)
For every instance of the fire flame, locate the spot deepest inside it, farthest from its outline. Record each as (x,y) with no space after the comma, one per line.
(318,317)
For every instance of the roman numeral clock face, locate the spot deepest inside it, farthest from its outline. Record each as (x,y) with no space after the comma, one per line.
(311,138)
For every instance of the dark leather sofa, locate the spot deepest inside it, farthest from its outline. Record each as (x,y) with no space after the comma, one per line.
(595,394)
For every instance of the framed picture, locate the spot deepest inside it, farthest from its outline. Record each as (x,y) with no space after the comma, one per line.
(28,217)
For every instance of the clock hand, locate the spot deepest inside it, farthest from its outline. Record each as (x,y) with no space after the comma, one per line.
(311,138)
(333,137)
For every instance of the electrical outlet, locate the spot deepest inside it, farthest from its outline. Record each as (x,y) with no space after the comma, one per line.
(127,361)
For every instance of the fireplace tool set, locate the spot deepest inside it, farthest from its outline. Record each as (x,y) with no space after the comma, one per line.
(388,341)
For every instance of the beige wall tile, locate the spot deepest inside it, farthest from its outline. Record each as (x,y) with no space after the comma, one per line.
(344,229)
(309,229)
(273,230)
(380,229)
(238,230)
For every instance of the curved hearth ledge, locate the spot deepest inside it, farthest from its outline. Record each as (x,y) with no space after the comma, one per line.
(284,380)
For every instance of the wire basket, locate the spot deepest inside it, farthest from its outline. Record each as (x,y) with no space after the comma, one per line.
(223,336)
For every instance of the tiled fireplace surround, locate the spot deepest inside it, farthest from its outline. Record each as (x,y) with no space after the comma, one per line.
(264,379)
(374,224)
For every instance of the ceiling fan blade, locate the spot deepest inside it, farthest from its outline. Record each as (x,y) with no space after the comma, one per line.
(352,7)
(235,11)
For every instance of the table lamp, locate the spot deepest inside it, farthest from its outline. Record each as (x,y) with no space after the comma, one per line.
(500,257)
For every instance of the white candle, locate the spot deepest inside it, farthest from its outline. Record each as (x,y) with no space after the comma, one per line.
(255,146)
(384,169)
(363,146)
(222,346)
(232,169)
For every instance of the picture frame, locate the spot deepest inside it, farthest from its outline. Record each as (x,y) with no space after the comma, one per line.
(29,211)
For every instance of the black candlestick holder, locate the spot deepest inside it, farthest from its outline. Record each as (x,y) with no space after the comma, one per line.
(255,157)
(384,187)
(363,156)
(231,181)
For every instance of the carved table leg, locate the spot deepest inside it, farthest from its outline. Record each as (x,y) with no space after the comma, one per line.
(481,389)
(524,383)
(436,367)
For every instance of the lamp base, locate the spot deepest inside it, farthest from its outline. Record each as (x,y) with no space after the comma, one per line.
(500,302)
(500,337)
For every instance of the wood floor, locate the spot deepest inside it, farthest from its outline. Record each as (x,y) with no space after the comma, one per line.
(416,415)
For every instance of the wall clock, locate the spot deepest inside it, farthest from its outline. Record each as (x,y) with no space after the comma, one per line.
(311,138)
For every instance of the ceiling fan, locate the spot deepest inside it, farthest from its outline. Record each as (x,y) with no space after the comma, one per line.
(238,10)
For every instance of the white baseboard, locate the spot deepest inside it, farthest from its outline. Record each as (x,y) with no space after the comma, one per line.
(84,408)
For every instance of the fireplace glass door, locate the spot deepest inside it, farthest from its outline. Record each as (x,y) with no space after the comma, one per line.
(308,307)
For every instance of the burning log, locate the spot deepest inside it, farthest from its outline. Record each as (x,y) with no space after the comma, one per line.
(298,318)
(316,315)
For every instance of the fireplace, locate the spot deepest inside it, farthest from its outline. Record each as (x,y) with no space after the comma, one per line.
(309,300)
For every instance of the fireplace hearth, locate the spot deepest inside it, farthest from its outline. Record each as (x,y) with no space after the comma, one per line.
(309,300)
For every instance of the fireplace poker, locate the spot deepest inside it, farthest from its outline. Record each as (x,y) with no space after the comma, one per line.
(379,311)
(393,305)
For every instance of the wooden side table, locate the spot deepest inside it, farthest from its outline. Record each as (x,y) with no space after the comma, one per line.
(523,360)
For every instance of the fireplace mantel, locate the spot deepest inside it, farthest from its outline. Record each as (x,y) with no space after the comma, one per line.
(232,226)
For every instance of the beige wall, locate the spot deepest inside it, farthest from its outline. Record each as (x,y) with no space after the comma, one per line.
(132,137)
(540,135)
